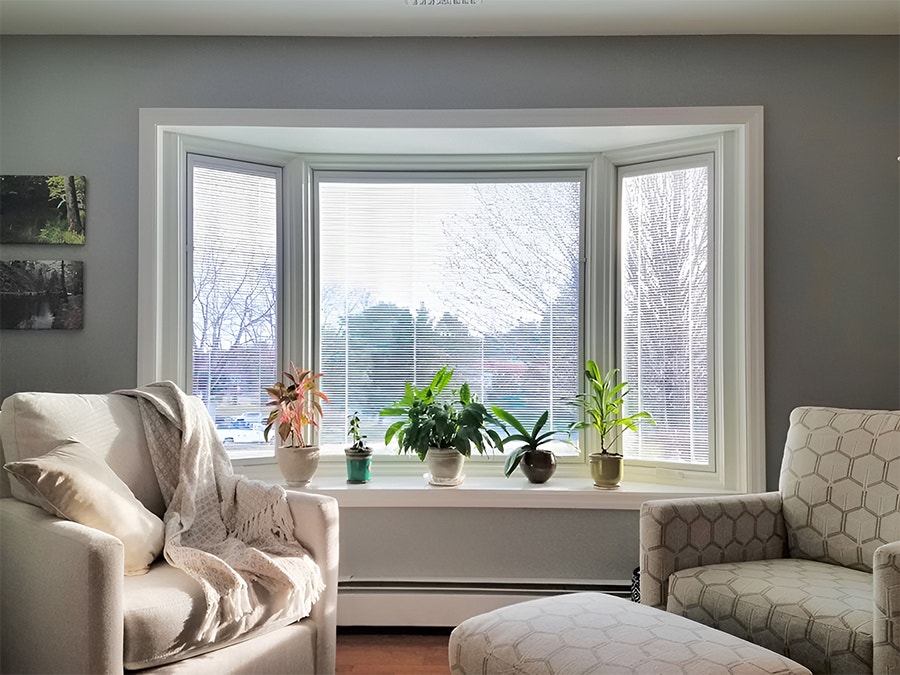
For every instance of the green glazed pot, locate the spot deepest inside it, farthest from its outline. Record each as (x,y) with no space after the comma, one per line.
(606,470)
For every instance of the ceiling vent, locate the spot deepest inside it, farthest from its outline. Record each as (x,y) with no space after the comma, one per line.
(444,3)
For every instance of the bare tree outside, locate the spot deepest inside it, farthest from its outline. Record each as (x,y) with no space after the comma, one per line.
(665,312)
(482,276)
(234,296)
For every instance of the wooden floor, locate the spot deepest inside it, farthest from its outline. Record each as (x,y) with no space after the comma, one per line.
(387,652)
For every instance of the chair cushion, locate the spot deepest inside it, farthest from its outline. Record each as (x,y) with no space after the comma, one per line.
(33,424)
(840,480)
(72,482)
(164,607)
(815,613)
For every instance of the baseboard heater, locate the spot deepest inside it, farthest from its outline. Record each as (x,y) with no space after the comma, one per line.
(446,603)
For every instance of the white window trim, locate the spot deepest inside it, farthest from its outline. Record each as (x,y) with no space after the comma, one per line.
(166,135)
(728,370)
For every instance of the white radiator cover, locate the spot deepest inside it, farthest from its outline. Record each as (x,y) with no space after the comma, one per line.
(446,604)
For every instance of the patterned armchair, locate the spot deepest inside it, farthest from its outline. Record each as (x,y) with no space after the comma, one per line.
(811,571)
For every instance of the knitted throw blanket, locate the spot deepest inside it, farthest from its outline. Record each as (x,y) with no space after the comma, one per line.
(224,530)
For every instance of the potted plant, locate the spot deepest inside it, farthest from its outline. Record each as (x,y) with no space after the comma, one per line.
(441,432)
(359,455)
(296,405)
(602,411)
(538,463)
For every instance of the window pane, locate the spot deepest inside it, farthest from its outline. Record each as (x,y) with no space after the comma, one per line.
(665,345)
(481,275)
(234,300)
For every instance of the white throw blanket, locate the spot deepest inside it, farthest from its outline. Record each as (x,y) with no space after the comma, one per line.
(225,531)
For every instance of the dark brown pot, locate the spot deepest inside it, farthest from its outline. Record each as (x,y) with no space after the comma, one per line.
(538,465)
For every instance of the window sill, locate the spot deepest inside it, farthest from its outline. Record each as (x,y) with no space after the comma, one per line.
(491,492)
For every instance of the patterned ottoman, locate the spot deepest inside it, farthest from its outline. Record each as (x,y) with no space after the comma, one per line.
(598,633)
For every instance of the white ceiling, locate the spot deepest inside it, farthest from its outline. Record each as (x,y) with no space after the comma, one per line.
(449,17)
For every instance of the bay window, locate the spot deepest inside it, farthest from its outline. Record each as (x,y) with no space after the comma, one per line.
(511,268)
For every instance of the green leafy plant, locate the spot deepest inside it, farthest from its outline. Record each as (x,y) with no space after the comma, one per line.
(297,405)
(57,232)
(602,407)
(354,431)
(457,422)
(531,440)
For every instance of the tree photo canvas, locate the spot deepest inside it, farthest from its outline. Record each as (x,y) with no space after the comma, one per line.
(42,209)
(42,294)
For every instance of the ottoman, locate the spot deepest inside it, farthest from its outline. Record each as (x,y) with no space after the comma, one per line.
(598,633)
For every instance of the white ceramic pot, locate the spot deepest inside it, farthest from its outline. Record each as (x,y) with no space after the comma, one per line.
(445,466)
(298,464)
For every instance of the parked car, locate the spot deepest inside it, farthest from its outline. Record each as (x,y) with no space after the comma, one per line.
(248,434)
(251,418)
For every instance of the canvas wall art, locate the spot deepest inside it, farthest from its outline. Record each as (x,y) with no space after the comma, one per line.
(42,294)
(42,209)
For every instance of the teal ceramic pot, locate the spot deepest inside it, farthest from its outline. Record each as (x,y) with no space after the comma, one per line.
(359,466)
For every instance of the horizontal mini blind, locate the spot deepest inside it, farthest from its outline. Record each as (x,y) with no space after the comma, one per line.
(665,346)
(479,273)
(233,226)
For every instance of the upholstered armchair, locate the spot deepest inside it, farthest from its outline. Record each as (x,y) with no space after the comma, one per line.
(811,571)
(75,599)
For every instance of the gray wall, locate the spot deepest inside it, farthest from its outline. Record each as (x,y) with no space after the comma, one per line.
(69,105)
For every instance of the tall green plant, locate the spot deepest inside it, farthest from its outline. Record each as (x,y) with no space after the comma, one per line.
(602,407)
(458,422)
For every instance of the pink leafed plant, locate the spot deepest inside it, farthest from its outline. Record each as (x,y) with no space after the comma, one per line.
(297,404)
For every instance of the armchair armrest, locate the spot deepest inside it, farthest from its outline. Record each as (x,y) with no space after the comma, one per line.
(61,593)
(316,527)
(886,624)
(677,534)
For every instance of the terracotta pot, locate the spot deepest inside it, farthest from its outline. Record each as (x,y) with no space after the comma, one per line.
(538,465)
(298,464)
(446,466)
(606,470)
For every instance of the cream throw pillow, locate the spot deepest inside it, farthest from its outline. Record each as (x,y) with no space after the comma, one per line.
(72,482)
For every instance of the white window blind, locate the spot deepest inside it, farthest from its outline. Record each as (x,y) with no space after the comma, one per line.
(233,229)
(478,273)
(665,301)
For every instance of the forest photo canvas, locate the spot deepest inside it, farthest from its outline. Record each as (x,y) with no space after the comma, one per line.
(42,294)
(42,209)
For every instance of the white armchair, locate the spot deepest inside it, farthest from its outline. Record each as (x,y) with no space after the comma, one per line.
(66,605)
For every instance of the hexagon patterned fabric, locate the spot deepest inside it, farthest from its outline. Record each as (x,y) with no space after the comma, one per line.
(597,633)
(814,613)
(840,484)
(692,531)
(886,624)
